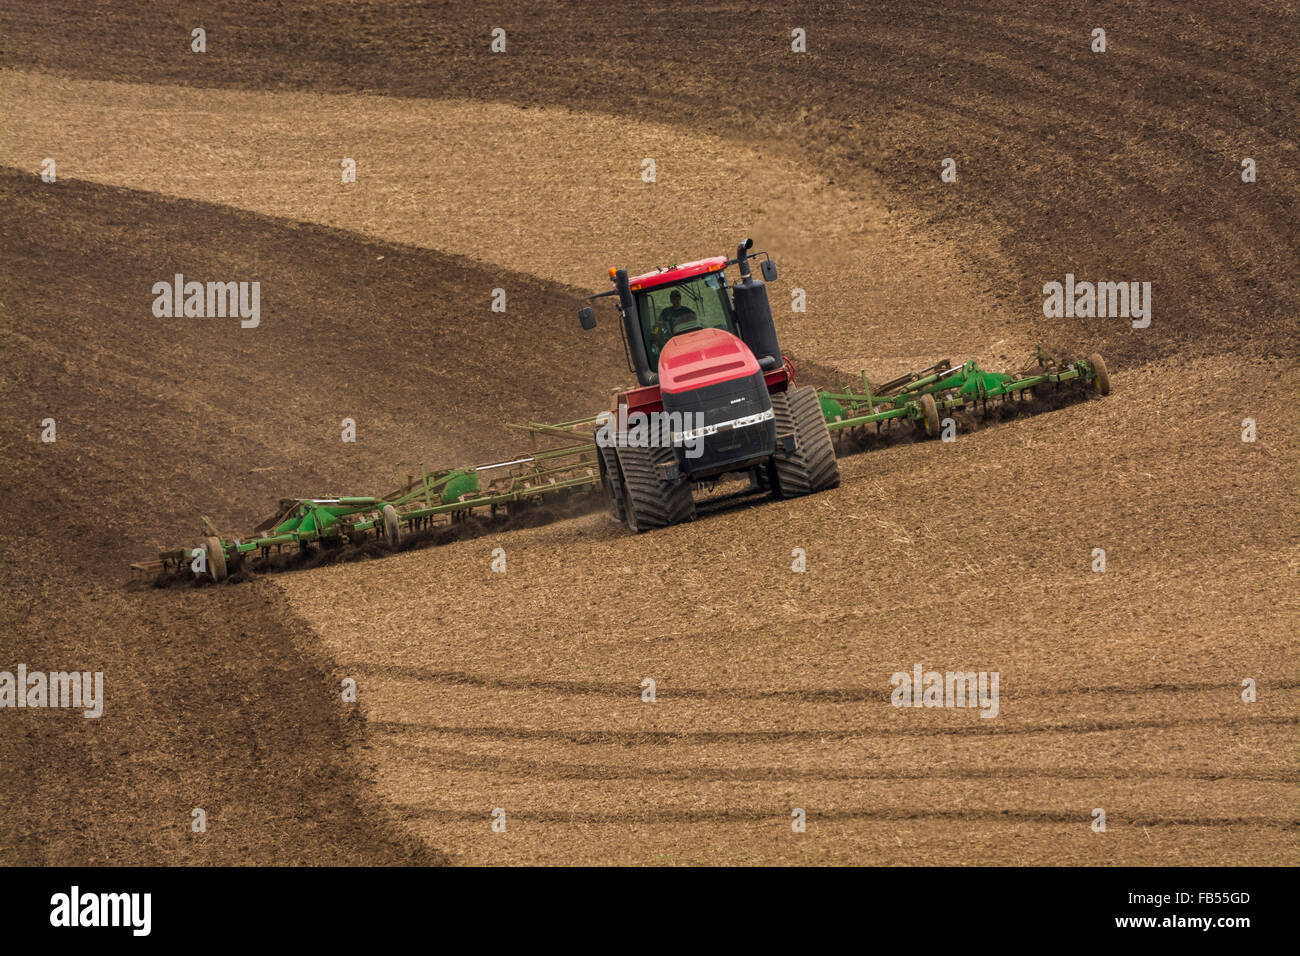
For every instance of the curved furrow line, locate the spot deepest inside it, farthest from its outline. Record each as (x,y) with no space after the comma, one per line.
(665,690)
(543,769)
(661,737)
(769,814)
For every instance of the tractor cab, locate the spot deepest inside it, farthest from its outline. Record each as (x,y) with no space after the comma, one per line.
(658,306)
(682,299)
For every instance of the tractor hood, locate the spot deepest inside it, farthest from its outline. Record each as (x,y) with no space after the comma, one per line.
(703,358)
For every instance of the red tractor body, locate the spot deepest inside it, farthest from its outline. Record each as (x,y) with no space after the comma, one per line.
(714,394)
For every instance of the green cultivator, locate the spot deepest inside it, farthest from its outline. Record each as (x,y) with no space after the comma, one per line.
(710,370)
(424,501)
(923,397)
(449,496)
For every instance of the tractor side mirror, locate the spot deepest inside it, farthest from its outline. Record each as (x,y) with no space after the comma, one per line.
(587,316)
(768,268)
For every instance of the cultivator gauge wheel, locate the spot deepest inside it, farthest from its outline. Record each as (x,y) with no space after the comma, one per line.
(930,411)
(650,499)
(216,555)
(1101,376)
(392,526)
(811,466)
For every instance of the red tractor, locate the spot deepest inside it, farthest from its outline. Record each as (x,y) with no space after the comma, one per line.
(714,394)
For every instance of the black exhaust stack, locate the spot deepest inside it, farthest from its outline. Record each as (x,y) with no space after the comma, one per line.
(742,258)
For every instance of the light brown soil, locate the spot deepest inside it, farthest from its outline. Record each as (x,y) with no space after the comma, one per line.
(1119,690)
(487,181)
(522,690)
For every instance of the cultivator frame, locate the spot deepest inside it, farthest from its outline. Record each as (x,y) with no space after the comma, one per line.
(421,502)
(921,397)
(451,495)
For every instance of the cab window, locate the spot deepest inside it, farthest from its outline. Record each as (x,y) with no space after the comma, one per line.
(699,303)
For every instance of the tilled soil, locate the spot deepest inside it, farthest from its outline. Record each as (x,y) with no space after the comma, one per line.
(449,176)
(523,691)
(1117,165)
(1119,690)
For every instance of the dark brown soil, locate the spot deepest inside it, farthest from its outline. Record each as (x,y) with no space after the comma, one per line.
(521,690)
(1117,165)
(222,703)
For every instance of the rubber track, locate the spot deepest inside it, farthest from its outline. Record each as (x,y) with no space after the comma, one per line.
(615,491)
(656,502)
(812,466)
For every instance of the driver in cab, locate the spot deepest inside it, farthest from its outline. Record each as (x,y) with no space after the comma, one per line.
(675,312)
(668,318)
